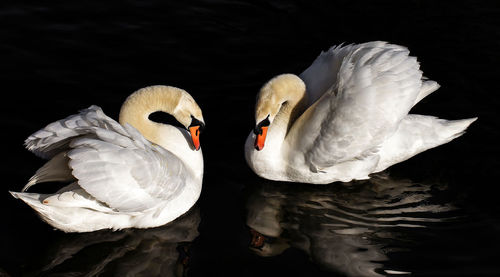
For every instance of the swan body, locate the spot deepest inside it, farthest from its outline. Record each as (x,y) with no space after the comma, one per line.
(345,117)
(138,173)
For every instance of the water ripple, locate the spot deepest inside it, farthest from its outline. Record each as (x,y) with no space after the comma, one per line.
(162,251)
(346,228)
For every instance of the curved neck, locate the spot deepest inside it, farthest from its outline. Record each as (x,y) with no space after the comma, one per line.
(288,112)
(282,99)
(138,106)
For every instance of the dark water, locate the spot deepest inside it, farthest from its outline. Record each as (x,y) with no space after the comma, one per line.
(433,215)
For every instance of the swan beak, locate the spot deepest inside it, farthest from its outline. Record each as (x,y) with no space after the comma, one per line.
(261,138)
(258,239)
(195,136)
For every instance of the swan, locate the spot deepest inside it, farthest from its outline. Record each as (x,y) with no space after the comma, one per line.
(345,117)
(134,174)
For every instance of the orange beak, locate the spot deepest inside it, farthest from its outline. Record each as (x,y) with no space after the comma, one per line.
(261,138)
(258,239)
(195,136)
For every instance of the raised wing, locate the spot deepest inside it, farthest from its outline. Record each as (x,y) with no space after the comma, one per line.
(375,87)
(115,164)
(323,72)
(55,137)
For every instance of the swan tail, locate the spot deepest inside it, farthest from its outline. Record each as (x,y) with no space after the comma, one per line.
(427,88)
(56,169)
(36,201)
(452,129)
(71,209)
(417,133)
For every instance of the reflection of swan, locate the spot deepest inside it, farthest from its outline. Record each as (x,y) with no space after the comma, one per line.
(120,179)
(159,251)
(344,117)
(3,273)
(343,228)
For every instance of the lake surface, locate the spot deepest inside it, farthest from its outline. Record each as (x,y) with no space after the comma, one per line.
(433,215)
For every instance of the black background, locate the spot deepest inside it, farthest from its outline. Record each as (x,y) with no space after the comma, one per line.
(58,58)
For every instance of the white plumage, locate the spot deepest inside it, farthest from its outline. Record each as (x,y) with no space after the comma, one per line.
(350,120)
(119,179)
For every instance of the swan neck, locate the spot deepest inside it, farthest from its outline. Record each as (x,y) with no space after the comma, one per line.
(138,106)
(282,98)
(288,113)
(282,123)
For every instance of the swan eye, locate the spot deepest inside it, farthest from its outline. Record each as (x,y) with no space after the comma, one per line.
(263,123)
(196,122)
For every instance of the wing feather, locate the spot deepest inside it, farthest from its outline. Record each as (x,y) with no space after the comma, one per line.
(56,136)
(375,87)
(113,164)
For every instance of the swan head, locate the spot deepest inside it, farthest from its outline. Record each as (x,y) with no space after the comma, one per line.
(174,101)
(272,96)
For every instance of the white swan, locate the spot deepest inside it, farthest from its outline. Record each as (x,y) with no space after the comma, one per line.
(345,116)
(138,174)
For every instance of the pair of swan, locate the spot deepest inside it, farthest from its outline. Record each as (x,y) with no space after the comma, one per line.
(344,117)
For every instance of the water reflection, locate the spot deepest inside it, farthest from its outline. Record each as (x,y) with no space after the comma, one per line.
(162,251)
(347,228)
